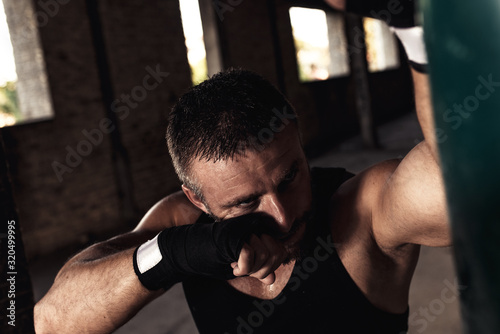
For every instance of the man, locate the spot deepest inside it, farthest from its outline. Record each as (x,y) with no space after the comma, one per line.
(261,243)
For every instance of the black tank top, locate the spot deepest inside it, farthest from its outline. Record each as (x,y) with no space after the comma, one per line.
(320,296)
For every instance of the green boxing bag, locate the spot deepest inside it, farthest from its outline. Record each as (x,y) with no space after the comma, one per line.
(463,47)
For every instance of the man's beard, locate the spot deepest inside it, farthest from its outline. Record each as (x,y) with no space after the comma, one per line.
(294,251)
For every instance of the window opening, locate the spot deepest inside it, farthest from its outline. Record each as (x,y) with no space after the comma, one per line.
(195,44)
(320,44)
(381,46)
(24,89)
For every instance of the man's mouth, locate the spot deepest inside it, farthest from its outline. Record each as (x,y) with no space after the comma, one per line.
(293,231)
(296,227)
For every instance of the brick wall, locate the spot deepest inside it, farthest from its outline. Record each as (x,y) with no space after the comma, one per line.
(72,209)
(128,170)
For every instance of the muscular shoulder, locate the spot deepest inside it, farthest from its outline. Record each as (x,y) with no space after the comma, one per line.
(357,199)
(400,204)
(173,210)
(364,189)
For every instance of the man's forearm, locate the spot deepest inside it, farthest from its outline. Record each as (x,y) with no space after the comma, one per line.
(93,293)
(423,105)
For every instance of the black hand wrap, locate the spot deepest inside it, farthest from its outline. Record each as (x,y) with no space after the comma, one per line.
(396,13)
(205,249)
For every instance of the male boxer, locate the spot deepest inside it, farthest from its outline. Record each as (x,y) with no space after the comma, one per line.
(261,243)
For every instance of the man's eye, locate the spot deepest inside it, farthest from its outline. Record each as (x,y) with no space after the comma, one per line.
(287,180)
(247,203)
(290,176)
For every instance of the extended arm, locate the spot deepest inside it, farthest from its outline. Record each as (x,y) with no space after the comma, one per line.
(407,199)
(411,207)
(97,291)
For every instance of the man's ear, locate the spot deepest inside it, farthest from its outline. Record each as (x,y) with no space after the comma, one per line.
(195,199)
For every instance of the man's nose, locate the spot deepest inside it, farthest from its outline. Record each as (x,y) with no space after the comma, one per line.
(278,211)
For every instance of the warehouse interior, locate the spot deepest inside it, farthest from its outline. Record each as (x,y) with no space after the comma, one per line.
(86,157)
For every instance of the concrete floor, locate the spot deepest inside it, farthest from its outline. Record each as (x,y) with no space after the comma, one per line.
(434,306)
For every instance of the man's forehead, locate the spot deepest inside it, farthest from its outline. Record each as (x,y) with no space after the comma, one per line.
(245,187)
(232,171)
(281,145)
(225,186)
(247,168)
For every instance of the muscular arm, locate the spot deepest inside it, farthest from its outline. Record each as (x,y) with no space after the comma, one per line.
(407,199)
(411,206)
(97,290)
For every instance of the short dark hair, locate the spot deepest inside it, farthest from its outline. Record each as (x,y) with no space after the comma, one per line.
(217,119)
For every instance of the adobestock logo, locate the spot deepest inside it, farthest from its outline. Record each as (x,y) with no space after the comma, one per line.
(225,6)
(436,307)
(266,135)
(50,8)
(265,308)
(94,137)
(463,110)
